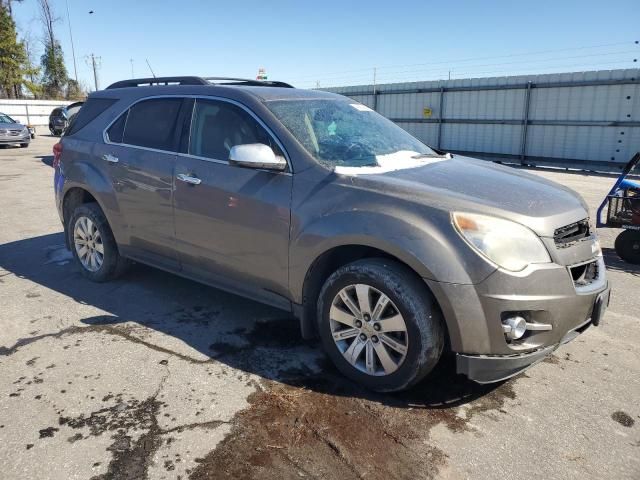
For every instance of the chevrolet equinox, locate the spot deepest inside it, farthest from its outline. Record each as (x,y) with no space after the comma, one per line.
(390,251)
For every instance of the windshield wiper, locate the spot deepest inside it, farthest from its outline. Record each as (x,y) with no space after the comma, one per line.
(432,155)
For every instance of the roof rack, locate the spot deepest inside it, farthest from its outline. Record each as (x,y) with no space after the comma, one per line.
(246,82)
(145,82)
(148,82)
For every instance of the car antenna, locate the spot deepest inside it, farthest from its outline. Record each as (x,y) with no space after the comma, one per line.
(149,65)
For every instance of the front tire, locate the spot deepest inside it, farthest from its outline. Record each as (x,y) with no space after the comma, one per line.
(627,246)
(93,245)
(380,325)
(24,145)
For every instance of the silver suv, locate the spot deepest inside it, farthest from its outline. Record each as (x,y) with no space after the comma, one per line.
(390,251)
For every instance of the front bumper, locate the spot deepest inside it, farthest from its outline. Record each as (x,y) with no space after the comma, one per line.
(489,369)
(545,295)
(15,139)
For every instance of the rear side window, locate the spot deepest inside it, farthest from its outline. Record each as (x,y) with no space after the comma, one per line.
(88,111)
(152,123)
(217,126)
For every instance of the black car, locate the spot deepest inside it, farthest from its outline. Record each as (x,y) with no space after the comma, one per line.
(60,117)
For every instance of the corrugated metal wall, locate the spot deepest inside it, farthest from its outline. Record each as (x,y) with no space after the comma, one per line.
(587,120)
(33,112)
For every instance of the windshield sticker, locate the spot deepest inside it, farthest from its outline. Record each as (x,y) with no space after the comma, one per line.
(394,161)
(360,107)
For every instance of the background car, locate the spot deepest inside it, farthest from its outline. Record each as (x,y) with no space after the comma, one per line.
(12,132)
(60,117)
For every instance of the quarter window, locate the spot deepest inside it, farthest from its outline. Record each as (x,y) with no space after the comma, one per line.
(116,130)
(218,126)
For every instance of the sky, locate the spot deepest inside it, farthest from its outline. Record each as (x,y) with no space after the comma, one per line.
(334,43)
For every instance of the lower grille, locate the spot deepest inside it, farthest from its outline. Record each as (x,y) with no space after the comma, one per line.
(585,274)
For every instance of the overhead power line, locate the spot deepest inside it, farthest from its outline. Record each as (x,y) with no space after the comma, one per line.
(454,63)
(471,59)
(452,66)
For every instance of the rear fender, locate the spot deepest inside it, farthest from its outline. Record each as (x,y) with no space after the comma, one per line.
(82,174)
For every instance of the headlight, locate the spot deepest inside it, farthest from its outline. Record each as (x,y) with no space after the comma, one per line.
(508,244)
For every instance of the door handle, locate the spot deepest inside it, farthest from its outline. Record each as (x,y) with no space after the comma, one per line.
(110,158)
(187,179)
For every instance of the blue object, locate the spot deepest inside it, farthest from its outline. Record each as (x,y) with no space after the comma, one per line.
(622,183)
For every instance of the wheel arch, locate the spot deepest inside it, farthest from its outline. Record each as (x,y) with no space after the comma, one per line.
(328,262)
(85,183)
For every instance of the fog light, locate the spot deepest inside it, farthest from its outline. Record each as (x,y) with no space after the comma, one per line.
(514,327)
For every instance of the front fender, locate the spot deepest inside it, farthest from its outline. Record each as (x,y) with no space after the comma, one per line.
(426,243)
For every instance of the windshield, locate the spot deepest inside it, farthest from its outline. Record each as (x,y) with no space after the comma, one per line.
(6,119)
(344,133)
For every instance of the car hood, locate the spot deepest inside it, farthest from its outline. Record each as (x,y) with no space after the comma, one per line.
(465,184)
(11,126)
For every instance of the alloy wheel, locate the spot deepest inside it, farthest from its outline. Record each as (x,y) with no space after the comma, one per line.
(368,329)
(88,244)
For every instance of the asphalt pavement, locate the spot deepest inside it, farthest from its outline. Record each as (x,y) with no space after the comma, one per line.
(154,376)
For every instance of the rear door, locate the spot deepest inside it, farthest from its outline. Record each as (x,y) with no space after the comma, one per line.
(232,227)
(140,156)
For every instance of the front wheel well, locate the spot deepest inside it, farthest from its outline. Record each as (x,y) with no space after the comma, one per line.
(322,268)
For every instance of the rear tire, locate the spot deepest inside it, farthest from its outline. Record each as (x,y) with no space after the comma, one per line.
(93,245)
(627,246)
(24,145)
(383,356)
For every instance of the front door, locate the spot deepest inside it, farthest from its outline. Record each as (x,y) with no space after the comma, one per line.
(232,223)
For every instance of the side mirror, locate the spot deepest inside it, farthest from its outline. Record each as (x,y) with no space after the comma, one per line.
(256,155)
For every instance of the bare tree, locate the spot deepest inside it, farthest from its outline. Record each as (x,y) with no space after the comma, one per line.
(53,68)
(48,19)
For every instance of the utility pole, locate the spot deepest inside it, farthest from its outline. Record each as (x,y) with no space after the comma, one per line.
(374,80)
(132,75)
(94,64)
(73,50)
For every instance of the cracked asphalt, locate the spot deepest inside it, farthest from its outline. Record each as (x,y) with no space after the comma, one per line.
(154,376)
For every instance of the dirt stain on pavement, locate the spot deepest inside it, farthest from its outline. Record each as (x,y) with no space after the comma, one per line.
(48,432)
(325,427)
(132,459)
(623,418)
(291,432)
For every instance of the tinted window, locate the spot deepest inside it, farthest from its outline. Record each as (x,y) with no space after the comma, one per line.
(6,119)
(116,130)
(88,111)
(152,123)
(217,126)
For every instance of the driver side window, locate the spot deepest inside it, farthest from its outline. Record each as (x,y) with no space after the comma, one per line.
(218,126)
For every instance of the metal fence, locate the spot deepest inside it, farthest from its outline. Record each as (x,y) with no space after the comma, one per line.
(31,112)
(585,120)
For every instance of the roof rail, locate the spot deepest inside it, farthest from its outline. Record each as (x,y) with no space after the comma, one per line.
(147,82)
(144,82)
(246,82)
